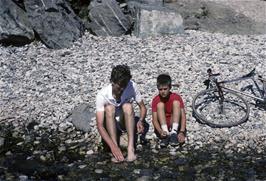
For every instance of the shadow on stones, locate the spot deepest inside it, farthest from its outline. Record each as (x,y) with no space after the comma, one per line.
(188,162)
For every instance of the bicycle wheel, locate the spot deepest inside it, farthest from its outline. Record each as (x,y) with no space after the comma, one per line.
(207,107)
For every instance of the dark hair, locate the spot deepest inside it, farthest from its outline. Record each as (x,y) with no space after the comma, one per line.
(121,75)
(164,79)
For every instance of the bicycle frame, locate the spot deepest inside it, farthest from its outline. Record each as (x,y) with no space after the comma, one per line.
(251,76)
(222,105)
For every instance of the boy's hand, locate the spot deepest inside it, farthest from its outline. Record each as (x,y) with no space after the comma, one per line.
(163,134)
(181,137)
(116,151)
(140,127)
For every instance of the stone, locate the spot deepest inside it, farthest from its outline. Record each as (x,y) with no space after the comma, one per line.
(55,22)
(107,19)
(98,170)
(90,152)
(23,178)
(82,166)
(153,20)
(170,1)
(157,2)
(123,140)
(15,27)
(81,117)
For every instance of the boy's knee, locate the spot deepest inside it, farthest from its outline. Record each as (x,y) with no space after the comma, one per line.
(160,106)
(109,110)
(176,104)
(128,109)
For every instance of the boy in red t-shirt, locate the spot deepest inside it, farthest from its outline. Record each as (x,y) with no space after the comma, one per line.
(168,113)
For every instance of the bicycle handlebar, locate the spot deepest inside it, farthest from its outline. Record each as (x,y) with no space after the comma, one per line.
(251,74)
(261,79)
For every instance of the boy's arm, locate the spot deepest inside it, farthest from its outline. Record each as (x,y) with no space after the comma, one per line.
(183,120)
(100,126)
(182,133)
(143,112)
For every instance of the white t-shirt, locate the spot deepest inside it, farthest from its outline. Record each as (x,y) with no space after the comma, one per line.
(105,96)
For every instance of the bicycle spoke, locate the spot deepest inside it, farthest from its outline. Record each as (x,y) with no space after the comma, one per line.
(210,108)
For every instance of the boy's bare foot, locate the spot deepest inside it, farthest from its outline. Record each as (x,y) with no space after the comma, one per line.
(131,156)
(131,159)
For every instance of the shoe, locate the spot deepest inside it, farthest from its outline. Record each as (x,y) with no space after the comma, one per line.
(173,139)
(164,141)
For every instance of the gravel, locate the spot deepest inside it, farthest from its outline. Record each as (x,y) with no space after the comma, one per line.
(43,85)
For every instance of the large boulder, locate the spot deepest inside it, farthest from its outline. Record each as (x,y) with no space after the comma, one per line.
(81,117)
(55,22)
(107,19)
(15,28)
(153,20)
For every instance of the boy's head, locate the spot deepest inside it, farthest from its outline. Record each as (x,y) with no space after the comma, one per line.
(164,84)
(120,76)
(165,80)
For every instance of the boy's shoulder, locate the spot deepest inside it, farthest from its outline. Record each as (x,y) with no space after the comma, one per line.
(174,94)
(105,90)
(156,98)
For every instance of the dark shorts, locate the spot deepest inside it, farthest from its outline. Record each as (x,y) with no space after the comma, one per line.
(121,130)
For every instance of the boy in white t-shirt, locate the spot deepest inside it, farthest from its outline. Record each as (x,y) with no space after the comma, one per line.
(115,100)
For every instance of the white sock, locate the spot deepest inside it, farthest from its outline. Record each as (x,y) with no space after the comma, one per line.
(174,128)
(165,128)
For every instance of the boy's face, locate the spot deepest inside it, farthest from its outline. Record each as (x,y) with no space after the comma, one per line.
(118,88)
(164,90)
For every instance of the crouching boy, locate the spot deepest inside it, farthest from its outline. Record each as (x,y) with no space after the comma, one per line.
(168,113)
(115,113)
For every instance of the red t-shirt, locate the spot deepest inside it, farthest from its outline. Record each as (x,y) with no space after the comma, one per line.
(168,104)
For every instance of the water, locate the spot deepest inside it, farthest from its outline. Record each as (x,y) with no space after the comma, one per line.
(45,162)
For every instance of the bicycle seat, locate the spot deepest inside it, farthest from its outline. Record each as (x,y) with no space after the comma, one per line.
(214,75)
(209,71)
(250,74)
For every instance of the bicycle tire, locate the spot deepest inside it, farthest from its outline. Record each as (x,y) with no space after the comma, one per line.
(205,106)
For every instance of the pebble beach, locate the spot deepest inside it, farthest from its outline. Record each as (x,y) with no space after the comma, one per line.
(42,85)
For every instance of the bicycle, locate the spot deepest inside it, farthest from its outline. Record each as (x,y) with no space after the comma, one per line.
(221,106)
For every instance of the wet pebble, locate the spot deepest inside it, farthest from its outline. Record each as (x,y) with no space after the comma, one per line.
(99,171)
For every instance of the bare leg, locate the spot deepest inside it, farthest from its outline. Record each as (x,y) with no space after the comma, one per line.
(130,127)
(161,113)
(176,113)
(162,118)
(110,122)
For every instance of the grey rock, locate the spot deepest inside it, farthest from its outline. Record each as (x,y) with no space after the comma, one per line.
(23,178)
(144,178)
(15,28)
(55,22)
(81,117)
(107,19)
(98,170)
(153,20)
